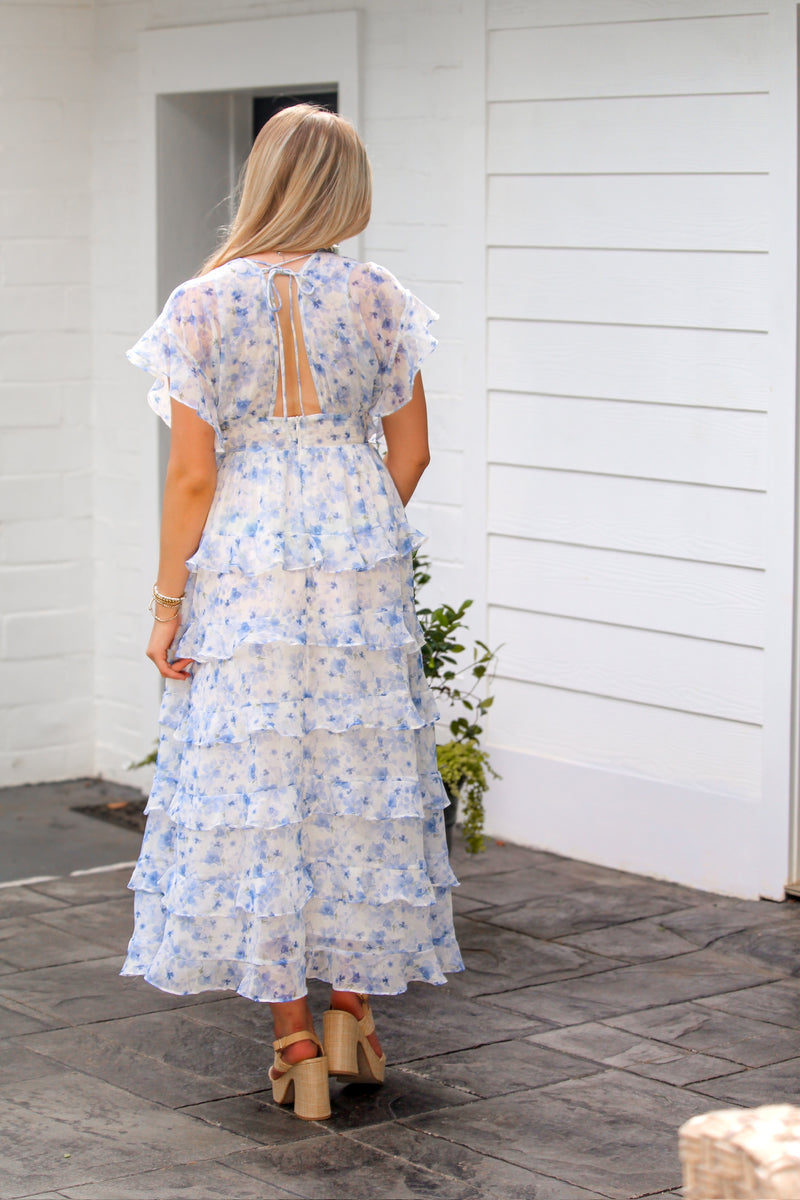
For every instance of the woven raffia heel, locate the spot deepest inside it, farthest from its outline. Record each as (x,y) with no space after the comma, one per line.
(305,1082)
(350,1056)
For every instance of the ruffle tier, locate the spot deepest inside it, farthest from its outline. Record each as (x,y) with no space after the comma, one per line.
(363,771)
(331,507)
(271,960)
(294,690)
(271,872)
(373,609)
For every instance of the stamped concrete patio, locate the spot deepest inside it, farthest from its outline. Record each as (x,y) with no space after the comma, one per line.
(598,1012)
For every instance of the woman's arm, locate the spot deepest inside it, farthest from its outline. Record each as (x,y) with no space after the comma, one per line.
(406,432)
(188,492)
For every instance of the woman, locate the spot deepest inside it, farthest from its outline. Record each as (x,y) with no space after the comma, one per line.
(295,824)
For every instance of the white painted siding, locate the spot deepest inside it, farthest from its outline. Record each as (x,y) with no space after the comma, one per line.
(629,298)
(524,14)
(642,516)
(655,134)
(630,287)
(647,441)
(704,367)
(637,58)
(696,212)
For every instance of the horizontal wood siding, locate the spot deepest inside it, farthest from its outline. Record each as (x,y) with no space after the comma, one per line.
(619,736)
(640,58)
(611,437)
(689,674)
(665,134)
(524,14)
(628,308)
(696,212)
(630,287)
(703,600)
(707,524)
(705,367)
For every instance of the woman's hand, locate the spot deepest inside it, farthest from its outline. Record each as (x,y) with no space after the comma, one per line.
(189,490)
(161,639)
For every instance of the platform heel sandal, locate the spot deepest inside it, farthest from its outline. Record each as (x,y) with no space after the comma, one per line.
(305,1082)
(350,1056)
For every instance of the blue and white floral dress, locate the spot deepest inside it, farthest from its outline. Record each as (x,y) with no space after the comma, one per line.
(295,826)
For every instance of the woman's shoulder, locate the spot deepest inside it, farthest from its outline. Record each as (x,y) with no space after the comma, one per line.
(370,282)
(371,272)
(197,292)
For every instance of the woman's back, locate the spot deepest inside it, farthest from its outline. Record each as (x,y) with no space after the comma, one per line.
(236,333)
(308,488)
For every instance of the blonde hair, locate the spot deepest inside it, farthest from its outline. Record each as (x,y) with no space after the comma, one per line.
(306,185)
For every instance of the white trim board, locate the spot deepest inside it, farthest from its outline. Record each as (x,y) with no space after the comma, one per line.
(276,52)
(778,839)
(699,838)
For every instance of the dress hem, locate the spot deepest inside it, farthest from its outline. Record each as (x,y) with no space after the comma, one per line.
(142,974)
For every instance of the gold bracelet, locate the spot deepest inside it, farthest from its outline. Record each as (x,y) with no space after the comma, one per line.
(167,601)
(161,620)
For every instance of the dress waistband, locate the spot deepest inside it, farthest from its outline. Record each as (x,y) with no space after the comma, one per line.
(312,429)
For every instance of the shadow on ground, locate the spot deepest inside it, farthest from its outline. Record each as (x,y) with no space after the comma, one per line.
(599,1010)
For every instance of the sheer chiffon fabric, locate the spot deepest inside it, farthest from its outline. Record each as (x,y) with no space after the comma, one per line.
(295,825)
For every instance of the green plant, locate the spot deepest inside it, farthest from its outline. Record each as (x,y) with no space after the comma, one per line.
(146,761)
(463,765)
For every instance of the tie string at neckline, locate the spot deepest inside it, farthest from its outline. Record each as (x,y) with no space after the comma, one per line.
(275,303)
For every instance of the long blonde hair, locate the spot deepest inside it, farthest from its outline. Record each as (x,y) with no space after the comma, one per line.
(307,184)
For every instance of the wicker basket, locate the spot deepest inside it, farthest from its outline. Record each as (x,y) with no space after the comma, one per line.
(742,1154)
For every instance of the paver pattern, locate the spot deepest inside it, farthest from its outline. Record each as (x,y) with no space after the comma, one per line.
(598,1012)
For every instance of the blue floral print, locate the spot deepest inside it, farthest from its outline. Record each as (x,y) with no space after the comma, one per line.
(295,825)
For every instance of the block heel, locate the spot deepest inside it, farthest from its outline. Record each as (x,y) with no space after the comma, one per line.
(350,1056)
(340,1038)
(304,1082)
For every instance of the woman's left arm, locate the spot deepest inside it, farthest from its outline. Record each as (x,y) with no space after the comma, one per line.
(188,492)
(406,432)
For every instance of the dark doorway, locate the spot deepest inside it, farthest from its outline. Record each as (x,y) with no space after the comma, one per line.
(265,107)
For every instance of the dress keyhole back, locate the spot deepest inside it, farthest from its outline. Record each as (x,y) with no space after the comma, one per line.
(295,392)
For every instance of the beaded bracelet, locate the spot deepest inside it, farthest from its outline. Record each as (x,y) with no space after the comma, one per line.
(167,601)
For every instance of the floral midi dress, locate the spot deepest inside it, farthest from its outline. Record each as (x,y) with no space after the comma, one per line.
(295,825)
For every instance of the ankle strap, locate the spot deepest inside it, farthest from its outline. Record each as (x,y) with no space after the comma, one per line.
(305,1035)
(367,1024)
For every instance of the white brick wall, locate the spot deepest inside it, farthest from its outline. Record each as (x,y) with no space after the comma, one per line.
(46,632)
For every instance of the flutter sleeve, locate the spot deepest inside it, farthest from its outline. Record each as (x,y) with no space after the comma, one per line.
(181,349)
(399,327)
